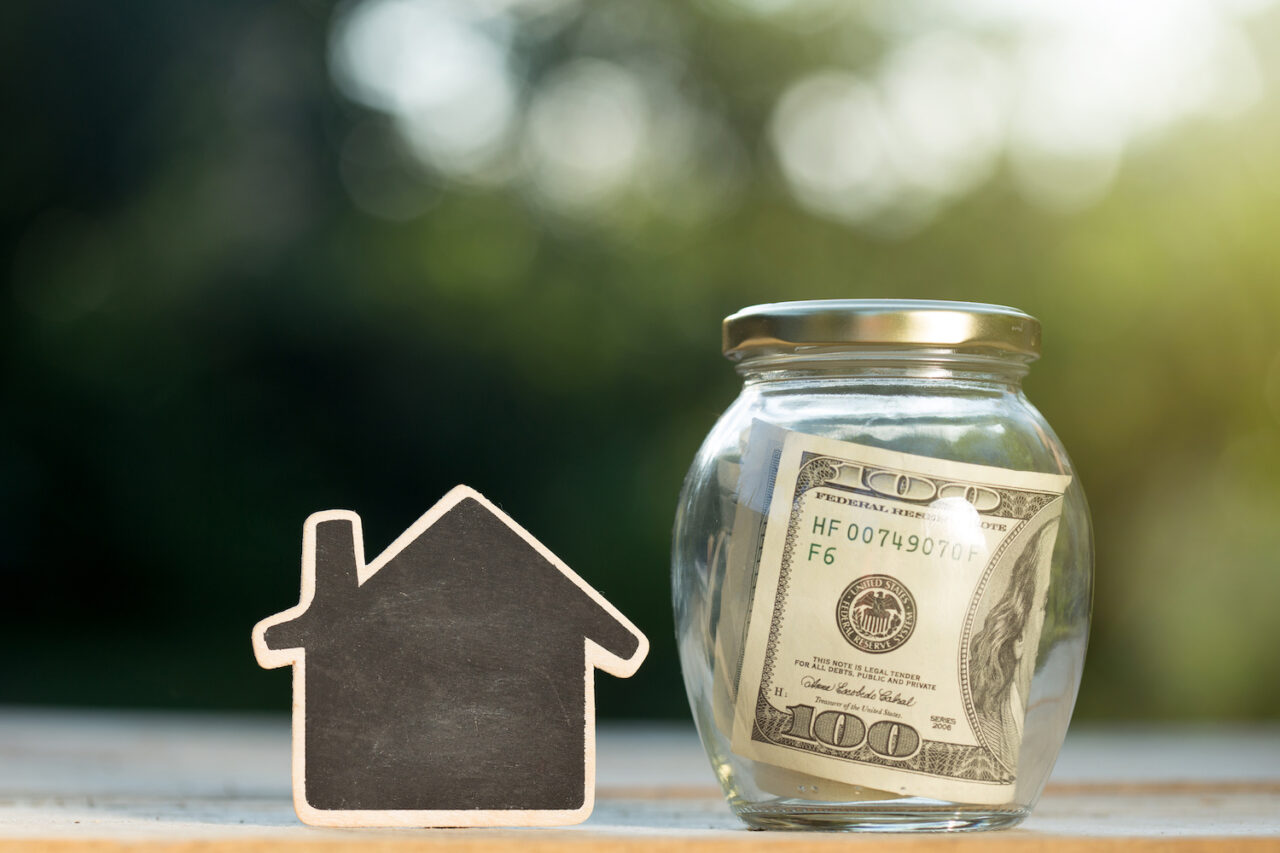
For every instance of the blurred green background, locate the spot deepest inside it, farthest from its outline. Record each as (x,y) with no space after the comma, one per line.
(266,259)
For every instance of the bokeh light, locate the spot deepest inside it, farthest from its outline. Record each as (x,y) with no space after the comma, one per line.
(588,132)
(439,68)
(891,150)
(1060,90)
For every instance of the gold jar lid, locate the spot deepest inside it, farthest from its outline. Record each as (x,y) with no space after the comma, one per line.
(843,323)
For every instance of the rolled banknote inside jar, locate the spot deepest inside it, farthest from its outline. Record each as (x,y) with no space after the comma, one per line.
(894,602)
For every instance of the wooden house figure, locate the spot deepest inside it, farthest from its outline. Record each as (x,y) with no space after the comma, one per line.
(450,681)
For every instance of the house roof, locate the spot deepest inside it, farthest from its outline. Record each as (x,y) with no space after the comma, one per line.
(333,541)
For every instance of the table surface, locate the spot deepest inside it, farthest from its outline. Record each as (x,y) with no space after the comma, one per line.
(107,781)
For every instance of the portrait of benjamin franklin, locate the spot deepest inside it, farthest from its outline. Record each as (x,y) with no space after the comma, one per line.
(1001,656)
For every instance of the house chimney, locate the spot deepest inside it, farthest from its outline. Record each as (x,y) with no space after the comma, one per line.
(335,556)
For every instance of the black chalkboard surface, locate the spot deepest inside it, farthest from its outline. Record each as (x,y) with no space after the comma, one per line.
(449,681)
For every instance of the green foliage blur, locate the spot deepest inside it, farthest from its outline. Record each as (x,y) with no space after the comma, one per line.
(234,295)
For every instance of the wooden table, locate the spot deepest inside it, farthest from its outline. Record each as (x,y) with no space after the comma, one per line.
(103,781)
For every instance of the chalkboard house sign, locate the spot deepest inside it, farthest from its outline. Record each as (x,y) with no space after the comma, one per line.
(449,682)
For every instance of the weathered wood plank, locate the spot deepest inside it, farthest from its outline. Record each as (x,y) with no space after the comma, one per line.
(73,781)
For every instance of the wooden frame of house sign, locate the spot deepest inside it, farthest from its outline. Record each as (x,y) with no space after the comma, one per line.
(450,681)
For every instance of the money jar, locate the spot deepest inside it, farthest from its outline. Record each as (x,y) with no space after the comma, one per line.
(882,570)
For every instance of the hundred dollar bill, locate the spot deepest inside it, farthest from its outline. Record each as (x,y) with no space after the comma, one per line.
(893,626)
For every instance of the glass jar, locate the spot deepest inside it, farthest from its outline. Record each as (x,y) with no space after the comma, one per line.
(882,570)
